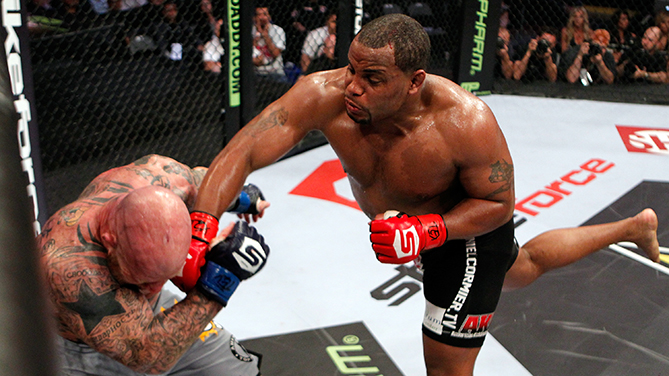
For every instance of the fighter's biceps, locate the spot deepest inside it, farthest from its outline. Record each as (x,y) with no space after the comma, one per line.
(501,177)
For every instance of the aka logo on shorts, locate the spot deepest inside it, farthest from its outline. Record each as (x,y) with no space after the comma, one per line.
(474,326)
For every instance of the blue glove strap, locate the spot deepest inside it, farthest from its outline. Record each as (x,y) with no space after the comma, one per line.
(218,282)
(243,204)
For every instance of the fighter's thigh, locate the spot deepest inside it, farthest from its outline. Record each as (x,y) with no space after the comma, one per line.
(442,359)
(79,360)
(462,283)
(523,271)
(215,353)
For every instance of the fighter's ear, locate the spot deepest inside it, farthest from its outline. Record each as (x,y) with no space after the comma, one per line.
(417,80)
(108,239)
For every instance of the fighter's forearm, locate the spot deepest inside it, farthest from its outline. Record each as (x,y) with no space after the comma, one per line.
(473,217)
(156,346)
(222,184)
(258,144)
(175,330)
(152,344)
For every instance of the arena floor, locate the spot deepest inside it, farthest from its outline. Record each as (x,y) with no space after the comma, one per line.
(323,305)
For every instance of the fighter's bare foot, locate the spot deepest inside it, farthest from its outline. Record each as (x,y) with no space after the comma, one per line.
(645,234)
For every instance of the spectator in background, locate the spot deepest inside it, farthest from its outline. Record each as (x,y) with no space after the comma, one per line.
(621,37)
(577,30)
(173,37)
(42,18)
(305,16)
(205,22)
(662,21)
(213,51)
(136,23)
(269,41)
(503,64)
(125,5)
(538,62)
(75,15)
(318,47)
(590,62)
(207,28)
(309,16)
(645,64)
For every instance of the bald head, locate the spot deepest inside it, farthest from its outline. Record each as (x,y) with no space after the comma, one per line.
(651,39)
(153,232)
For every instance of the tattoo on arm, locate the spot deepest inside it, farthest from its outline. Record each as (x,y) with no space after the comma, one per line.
(181,170)
(101,186)
(142,161)
(92,308)
(276,118)
(502,172)
(198,175)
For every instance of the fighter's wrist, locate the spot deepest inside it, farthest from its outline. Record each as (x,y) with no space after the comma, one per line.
(241,204)
(204,226)
(436,233)
(217,283)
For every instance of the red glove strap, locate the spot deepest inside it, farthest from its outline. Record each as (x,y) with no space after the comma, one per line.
(204,226)
(434,229)
(204,229)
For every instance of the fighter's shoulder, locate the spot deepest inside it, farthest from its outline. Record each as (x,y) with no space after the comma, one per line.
(459,104)
(321,86)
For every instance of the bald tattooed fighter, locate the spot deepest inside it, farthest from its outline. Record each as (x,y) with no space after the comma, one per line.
(108,255)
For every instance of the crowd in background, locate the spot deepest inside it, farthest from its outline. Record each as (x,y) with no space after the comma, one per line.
(194,31)
(551,41)
(599,47)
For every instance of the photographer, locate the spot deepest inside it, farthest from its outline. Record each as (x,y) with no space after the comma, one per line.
(503,64)
(622,38)
(590,62)
(645,64)
(538,60)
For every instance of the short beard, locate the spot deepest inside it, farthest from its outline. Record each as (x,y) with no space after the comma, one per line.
(365,121)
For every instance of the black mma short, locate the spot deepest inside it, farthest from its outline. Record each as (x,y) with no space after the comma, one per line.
(462,282)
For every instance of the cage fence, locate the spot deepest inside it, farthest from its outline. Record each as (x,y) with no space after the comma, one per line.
(118,79)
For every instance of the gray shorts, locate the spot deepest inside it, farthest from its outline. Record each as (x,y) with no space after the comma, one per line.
(216,352)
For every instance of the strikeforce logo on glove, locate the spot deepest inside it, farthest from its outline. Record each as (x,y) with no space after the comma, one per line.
(407,243)
(250,255)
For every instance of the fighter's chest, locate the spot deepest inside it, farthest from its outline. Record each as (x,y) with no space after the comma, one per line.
(413,166)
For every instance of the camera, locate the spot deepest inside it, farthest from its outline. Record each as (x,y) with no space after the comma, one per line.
(632,58)
(595,49)
(542,46)
(500,43)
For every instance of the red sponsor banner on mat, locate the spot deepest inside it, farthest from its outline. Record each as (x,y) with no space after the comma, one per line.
(645,140)
(321,184)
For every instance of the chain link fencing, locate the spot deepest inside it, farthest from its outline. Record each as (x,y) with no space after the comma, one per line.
(118,79)
(605,50)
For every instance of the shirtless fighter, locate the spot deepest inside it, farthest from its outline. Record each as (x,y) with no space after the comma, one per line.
(107,256)
(421,145)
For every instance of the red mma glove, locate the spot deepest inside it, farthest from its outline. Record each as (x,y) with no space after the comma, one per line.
(204,229)
(400,239)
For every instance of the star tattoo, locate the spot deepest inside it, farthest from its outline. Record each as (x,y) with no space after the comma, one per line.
(93,308)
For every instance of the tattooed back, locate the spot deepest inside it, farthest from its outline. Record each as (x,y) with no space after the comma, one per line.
(80,283)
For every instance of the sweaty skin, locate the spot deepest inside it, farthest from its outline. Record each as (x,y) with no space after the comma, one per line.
(415,143)
(112,311)
(412,142)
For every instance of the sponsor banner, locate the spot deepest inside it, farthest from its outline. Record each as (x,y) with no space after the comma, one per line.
(348,349)
(645,140)
(17,54)
(475,66)
(554,192)
(322,184)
